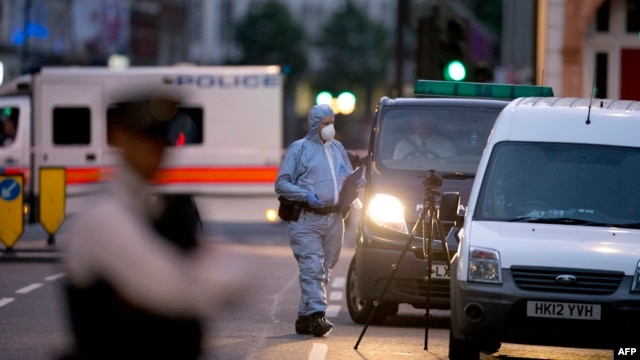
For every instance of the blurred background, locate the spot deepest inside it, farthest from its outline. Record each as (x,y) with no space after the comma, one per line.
(361,49)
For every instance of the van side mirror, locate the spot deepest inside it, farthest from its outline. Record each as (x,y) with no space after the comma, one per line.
(449,205)
(365,160)
(356,160)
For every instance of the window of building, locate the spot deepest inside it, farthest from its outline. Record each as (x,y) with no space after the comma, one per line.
(602,60)
(633,16)
(71,126)
(602,16)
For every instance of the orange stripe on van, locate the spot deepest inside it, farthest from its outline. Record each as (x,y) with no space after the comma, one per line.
(218,175)
(26,173)
(195,175)
(13,170)
(84,175)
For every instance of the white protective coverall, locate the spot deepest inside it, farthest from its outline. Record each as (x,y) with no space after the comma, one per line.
(316,239)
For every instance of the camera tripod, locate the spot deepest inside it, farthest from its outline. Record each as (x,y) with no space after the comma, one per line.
(429,222)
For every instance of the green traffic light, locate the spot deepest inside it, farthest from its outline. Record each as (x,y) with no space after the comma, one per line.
(455,71)
(324,97)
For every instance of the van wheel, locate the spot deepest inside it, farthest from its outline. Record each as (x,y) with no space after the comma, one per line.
(462,349)
(359,308)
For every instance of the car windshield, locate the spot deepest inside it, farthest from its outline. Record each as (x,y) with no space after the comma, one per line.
(448,139)
(560,183)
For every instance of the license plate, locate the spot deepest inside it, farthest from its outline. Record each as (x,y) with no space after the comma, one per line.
(561,310)
(439,271)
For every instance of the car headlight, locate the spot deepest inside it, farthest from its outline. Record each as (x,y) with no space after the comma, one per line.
(387,211)
(635,285)
(484,266)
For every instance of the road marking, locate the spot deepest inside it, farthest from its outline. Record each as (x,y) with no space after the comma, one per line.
(5,301)
(28,288)
(279,296)
(54,277)
(318,351)
(339,282)
(332,310)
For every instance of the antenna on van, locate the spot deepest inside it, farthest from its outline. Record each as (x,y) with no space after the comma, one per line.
(593,90)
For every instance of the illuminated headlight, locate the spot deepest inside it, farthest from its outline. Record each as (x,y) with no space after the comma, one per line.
(635,285)
(387,211)
(484,266)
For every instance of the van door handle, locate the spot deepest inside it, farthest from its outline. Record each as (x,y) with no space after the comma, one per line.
(9,161)
(91,157)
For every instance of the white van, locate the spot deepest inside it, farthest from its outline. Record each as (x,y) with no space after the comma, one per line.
(550,247)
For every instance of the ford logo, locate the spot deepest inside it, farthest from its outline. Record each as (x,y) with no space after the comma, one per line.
(566,279)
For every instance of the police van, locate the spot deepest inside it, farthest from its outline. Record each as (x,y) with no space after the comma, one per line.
(226,150)
(549,251)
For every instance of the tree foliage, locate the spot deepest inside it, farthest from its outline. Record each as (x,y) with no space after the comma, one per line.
(354,49)
(269,35)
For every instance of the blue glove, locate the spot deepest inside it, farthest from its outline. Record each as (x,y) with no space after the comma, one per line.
(314,201)
(361,182)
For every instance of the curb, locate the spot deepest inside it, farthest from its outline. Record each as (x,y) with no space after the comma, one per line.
(32,251)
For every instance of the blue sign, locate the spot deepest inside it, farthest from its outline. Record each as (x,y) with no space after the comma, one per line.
(9,189)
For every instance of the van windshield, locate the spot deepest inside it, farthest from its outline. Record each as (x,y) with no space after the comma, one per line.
(447,139)
(562,184)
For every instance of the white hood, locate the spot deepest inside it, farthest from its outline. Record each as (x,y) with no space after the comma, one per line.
(570,246)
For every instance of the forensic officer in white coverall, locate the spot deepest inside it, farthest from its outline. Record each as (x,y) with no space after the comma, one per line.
(312,173)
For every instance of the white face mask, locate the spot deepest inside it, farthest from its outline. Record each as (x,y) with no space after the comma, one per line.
(328,132)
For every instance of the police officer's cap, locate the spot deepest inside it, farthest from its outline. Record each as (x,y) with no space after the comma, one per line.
(146,114)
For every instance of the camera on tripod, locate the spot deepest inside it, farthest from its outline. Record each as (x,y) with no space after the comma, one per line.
(432,182)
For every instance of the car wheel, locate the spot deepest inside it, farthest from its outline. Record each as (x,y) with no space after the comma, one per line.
(359,308)
(490,347)
(460,349)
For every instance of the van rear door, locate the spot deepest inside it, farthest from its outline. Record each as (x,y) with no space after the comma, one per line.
(70,134)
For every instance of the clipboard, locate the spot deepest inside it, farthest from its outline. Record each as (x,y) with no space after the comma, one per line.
(349,190)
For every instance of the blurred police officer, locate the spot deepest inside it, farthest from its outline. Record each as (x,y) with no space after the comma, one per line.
(139,284)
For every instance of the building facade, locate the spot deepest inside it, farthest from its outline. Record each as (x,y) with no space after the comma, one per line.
(587,44)
(578,43)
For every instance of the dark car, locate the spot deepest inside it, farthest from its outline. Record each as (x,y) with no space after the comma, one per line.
(396,192)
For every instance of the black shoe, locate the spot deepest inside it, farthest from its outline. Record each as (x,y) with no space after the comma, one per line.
(319,324)
(303,325)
